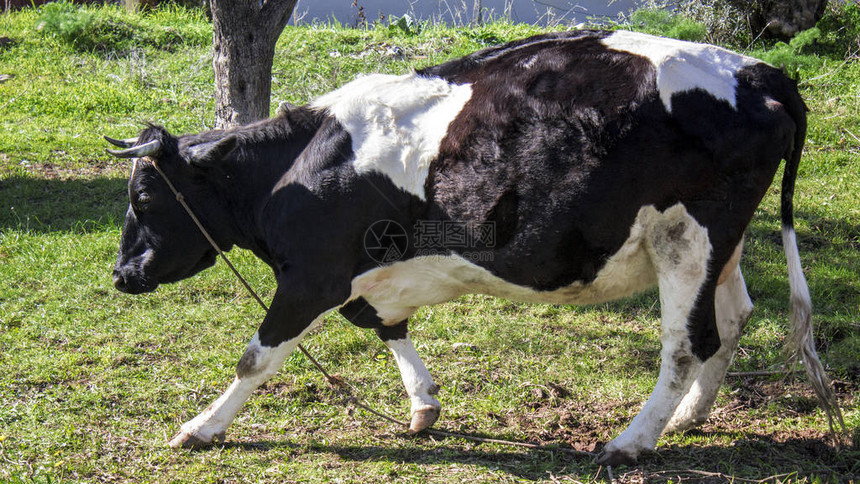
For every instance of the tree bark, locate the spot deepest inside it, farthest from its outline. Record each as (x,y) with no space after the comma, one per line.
(782,19)
(245,33)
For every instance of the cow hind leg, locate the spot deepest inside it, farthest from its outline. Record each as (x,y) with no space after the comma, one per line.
(424,408)
(257,365)
(680,250)
(733,308)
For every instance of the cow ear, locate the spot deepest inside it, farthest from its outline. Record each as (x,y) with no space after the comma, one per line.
(210,152)
(284,109)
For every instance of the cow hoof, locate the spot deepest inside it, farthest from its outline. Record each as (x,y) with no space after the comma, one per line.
(615,457)
(682,426)
(421,419)
(187,440)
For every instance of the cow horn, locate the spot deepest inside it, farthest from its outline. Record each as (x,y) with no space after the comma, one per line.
(122,143)
(151,148)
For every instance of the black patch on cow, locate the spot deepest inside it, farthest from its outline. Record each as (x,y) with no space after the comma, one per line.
(467,68)
(504,217)
(702,325)
(388,333)
(360,313)
(759,81)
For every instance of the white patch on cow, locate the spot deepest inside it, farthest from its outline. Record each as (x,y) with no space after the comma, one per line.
(212,423)
(396,123)
(417,380)
(684,66)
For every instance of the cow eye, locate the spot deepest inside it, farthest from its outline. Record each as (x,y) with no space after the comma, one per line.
(142,202)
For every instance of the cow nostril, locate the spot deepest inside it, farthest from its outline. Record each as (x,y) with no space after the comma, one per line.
(119,282)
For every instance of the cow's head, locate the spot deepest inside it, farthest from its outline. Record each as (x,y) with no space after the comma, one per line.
(160,243)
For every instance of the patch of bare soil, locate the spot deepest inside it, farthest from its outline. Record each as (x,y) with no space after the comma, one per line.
(580,424)
(72,171)
(753,458)
(552,417)
(790,398)
(93,169)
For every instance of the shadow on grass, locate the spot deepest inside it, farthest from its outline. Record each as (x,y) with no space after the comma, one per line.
(767,225)
(766,228)
(54,205)
(752,457)
(759,457)
(527,463)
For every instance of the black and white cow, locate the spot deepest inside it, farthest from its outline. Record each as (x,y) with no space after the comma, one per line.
(603,163)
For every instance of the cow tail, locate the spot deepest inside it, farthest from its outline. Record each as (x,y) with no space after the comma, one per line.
(801,343)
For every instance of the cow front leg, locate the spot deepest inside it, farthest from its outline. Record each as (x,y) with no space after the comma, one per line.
(425,408)
(255,367)
(680,251)
(296,308)
(733,308)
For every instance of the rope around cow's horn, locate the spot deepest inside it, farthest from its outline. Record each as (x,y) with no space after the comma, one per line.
(337,382)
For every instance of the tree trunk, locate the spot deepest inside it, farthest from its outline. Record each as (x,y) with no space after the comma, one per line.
(782,18)
(245,33)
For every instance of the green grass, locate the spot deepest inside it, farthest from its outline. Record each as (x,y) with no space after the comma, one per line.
(93,382)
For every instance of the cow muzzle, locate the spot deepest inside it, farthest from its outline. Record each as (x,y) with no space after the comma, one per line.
(127,283)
